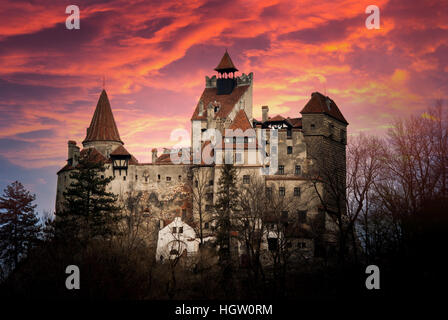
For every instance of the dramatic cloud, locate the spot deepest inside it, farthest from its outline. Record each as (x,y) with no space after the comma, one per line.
(155,54)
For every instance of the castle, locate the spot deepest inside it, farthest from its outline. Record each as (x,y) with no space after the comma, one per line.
(176,199)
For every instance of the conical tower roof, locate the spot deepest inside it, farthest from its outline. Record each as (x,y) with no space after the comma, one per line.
(226,64)
(103,127)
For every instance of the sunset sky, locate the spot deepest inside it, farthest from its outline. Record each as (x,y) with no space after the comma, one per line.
(154,56)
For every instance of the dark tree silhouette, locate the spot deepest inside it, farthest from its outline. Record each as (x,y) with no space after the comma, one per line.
(19,224)
(89,211)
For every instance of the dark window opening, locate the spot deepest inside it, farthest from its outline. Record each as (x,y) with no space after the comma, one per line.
(181,229)
(206,225)
(302,216)
(173,229)
(289,149)
(136,177)
(298,170)
(168,178)
(297,192)
(281,169)
(272,244)
(246,179)
(282,191)
(288,133)
(124,178)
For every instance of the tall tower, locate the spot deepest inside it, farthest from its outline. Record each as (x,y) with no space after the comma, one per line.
(325,132)
(102,134)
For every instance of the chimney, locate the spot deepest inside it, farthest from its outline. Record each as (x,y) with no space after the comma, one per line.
(265,110)
(73,153)
(154,155)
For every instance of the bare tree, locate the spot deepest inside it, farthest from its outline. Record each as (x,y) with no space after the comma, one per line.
(199,188)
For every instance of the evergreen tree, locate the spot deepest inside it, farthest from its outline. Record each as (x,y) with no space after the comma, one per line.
(225,204)
(19,224)
(89,211)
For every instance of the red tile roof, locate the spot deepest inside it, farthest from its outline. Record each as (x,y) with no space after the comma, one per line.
(295,122)
(103,127)
(227,102)
(120,151)
(277,118)
(91,154)
(322,104)
(226,64)
(165,158)
(240,121)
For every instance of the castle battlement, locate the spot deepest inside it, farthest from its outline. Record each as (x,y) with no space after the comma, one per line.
(243,80)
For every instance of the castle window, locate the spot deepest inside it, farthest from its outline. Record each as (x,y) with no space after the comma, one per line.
(158,177)
(272,244)
(181,229)
(168,178)
(281,191)
(246,179)
(302,216)
(196,183)
(179,177)
(210,183)
(146,179)
(281,169)
(174,230)
(102,176)
(288,133)
(289,150)
(184,214)
(174,252)
(124,178)
(301,245)
(206,225)
(296,191)
(313,126)
(136,177)
(298,170)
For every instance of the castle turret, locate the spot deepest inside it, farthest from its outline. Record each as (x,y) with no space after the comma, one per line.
(103,132)
(226,68)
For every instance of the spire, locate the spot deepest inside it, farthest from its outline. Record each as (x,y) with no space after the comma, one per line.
(226,65)
(103,127)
